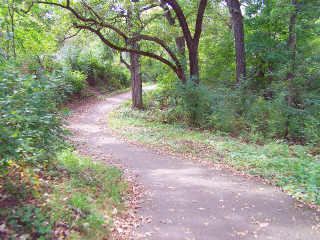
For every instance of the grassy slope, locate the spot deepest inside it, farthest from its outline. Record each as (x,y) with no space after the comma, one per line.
(71,199)
(292,168)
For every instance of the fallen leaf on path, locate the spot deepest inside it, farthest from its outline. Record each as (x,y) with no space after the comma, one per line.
(244,233)
(166,221)
(115,211)
(148,219)
(262,225)
(139,236)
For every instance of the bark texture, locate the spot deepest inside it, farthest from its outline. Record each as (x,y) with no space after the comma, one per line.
(235,12)
(180,43)
(136,80)
(292,47)
(191,42)
(181,46)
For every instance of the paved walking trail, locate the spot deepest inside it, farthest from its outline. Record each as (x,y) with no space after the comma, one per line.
(190,202)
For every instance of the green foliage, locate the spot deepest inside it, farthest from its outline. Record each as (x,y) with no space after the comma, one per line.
(192,102)
(30,126)
(75,196)
(76,79)
(96,64)
(86,199)
(238,111)
(292,168)
(226,108)
(29,221)
(295,168)
(103,177)
(28,34)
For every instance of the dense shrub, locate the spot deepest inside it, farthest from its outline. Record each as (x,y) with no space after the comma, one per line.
(97,66)
(30,126)
(76,79)
(239,111)
(104,75)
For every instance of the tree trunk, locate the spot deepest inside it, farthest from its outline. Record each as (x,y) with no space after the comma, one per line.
(136,80)
(91,78)
(8,42)
(235,11)
(11,12)
(292,46)
(180,43)
(192,42)
(194,64)
(13,36)
(181,46)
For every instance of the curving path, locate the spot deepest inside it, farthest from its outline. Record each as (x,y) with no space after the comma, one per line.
(185,201)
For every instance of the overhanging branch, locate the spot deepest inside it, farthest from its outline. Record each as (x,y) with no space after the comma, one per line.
(162,44)
(124,61)
(182,20)
(198,28)
(124,49)
(72,35)
(95,23)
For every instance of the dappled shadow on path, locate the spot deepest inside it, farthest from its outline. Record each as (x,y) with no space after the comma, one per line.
(187,201)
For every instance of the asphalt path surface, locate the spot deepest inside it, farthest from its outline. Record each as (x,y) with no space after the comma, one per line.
(186,201)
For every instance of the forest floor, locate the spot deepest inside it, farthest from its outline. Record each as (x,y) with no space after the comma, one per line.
(184,199)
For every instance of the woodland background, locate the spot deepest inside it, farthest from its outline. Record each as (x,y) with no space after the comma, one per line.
(246,69)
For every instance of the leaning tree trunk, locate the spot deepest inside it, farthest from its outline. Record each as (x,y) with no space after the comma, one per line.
(235,11)
(180,43)
(136,80)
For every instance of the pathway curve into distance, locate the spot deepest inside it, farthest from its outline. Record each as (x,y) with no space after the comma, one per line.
(189,202)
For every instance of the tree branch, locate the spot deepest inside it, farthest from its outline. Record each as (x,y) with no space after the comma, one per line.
(167,14)
(124,62)
(90,23)
(72,35)
(84,19)
(198,28)
(182,20)
(149,7)
(123,49)
(91,10)
(162,44)
(28,9)
(77,15)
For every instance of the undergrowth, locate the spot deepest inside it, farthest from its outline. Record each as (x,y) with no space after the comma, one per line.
(239,111)
(73,198)
(294,168)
